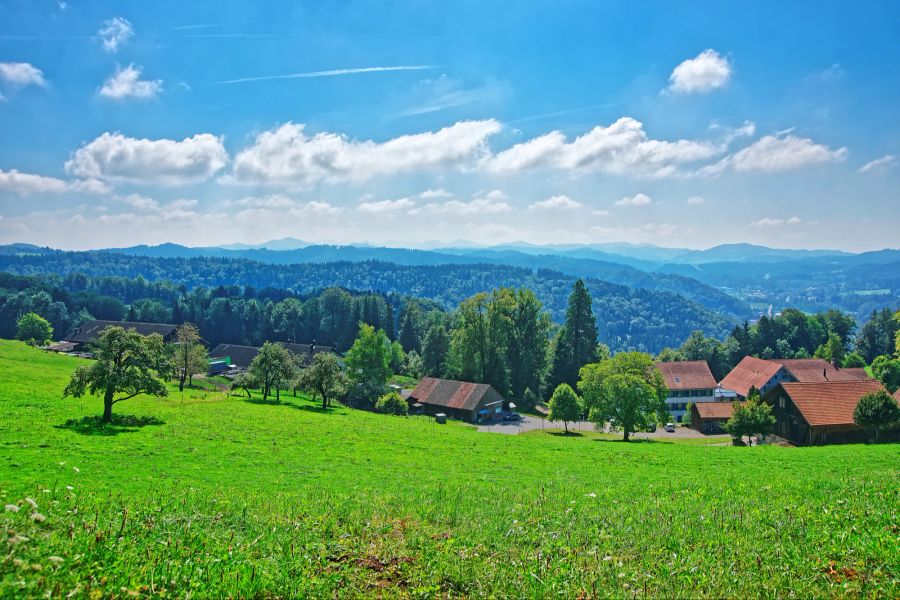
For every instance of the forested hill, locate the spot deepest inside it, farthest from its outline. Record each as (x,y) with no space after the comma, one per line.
(612,272)
(627,318)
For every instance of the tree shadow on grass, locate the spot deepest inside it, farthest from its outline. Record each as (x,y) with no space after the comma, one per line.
(120,424)
(631,441)
(289,403)
(567,433)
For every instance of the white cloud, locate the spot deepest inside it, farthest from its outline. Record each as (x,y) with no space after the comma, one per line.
(127,83)
(775,153)
(438,193)
(114,157)
(279,203)
(560,202)
(636,200)
(696,200)
(386,206)
(600,212)
(25,184)
(774,222)
(139,202)
(884,163)
(708,71)
(21,75)
(623,148)
(114,33)
(287,155)
(647,232)
(490,203)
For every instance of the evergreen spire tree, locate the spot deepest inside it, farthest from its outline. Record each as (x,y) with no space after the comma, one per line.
(576,343)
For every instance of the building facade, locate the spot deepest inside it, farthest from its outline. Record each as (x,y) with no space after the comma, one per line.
(688,382)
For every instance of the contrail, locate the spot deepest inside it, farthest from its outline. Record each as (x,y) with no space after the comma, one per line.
(329,73)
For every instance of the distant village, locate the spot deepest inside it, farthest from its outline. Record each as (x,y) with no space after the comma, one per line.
(813,400)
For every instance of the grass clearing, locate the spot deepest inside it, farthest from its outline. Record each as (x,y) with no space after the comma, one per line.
(215,496)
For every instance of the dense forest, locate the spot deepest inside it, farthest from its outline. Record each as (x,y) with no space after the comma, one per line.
(627,318)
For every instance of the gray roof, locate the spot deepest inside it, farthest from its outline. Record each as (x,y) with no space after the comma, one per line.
(90,331)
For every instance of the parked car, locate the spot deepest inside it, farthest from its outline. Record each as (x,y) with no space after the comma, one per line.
(650,428)
(670,427)
(512,417)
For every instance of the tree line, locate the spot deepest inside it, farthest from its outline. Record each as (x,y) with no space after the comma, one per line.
(633,318)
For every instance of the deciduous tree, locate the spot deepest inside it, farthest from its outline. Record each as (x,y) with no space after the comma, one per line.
(369,363)
(323,377)
(273,367)
(122,369)
(565,405)
(627,389)
(877,411)
(32,327)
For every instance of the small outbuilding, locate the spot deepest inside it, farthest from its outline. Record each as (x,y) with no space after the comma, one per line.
(710,417)
(473,402)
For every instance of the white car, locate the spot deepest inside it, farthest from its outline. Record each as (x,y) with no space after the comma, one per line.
(670,427)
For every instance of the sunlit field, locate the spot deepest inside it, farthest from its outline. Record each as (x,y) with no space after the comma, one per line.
(210,495)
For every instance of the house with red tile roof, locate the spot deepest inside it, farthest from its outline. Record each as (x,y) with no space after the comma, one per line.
(819,412)
(689,382)
(766,374)
(473,402)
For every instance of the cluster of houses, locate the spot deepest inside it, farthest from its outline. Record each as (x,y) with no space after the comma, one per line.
(813,400)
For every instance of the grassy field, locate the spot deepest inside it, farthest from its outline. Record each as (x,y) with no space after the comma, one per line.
(205,495)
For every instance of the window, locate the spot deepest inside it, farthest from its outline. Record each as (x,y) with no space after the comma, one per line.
(781,402)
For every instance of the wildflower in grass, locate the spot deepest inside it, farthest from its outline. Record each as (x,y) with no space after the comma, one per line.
(76,469)
(18,539)
(69,487)
(591,495)
(55,559)
(38,517)
(32,503)
(12,508)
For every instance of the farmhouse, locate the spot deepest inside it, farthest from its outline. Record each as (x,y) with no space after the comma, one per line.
(709,417)
(90,331)
(689,382)
(242,356)
(471,402)
(766,374)
(821,412)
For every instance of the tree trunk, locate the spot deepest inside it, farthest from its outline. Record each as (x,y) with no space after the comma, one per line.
(278,394)
(566,426)
(181,383)
(627,433)
(107,406)
(324,402)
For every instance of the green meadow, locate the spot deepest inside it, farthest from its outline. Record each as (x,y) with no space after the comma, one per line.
(209,495)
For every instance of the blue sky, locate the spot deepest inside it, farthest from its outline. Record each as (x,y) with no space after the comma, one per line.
(406,123)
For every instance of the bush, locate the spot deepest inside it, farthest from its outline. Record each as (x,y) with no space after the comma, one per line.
(392,404)
(876,411)
(34,329)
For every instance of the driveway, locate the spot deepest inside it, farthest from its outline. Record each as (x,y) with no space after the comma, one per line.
(530,423)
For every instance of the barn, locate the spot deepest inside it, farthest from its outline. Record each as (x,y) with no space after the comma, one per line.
(473,402)
(821,412)
(89,332)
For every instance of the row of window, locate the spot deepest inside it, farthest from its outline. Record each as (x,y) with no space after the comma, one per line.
(677,405)
(690,393)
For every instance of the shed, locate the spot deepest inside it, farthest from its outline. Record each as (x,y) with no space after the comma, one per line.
(710,417)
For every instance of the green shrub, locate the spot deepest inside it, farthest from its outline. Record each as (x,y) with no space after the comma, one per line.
(392,404)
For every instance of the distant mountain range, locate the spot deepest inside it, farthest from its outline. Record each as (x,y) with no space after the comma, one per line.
(736,280)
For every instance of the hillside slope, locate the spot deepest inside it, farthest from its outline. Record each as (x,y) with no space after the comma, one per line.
(212,496)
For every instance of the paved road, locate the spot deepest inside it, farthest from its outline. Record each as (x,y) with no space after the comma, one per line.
(530,423)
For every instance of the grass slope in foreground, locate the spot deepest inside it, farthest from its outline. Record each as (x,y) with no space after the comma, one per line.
(215,496)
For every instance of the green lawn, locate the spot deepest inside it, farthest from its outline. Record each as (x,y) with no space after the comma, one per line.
(211,496)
